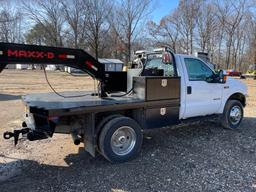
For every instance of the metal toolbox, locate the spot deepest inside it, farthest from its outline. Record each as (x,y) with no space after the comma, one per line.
(156,88)
(161,116)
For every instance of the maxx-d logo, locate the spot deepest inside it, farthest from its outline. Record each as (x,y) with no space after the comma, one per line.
(30,54)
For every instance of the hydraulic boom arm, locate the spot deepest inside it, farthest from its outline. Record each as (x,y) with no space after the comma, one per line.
(11,53)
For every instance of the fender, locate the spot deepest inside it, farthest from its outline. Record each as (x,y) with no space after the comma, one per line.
(233,88)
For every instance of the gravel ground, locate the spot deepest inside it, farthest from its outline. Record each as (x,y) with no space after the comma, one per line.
(199,157)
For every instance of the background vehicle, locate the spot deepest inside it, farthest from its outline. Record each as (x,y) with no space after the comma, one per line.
(250,73)
(170,90)
(232,72)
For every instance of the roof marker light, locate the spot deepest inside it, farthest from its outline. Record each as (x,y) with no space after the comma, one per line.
(89,64)
(64,56)
(70,56)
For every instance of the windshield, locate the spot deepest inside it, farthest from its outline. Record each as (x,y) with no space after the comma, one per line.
(154,61)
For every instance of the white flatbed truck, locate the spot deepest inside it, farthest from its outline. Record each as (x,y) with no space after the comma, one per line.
(171,89)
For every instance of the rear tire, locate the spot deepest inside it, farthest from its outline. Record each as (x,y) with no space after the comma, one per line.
(120,139)
(232,115)
(101,125)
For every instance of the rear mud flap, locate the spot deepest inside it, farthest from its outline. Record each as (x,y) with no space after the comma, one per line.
(89,139)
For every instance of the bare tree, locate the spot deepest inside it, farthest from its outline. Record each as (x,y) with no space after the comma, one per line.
(49,15)
(178,28)
(10,24)
(206,25)
(252,37)
(230,15)
(36,35)
(225,29)
(74,15)
(96,23)
(167,32)
(188,11)
(130,15)
(218,39)
(238,46)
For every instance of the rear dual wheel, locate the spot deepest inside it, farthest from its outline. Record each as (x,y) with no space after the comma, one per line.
(120,139)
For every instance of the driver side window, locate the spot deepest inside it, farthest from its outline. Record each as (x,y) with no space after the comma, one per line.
(197,70)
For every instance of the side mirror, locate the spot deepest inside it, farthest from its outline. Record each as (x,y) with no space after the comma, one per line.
(222,77)
(167,57)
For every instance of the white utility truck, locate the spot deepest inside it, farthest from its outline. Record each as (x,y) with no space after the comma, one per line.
(171,89)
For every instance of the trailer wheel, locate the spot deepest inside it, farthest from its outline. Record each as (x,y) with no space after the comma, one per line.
(120,139)
(232,115)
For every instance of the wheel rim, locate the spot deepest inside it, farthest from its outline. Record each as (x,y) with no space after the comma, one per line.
(123,140)
(235,115)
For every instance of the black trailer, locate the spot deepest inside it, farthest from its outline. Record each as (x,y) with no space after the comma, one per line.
(111,122)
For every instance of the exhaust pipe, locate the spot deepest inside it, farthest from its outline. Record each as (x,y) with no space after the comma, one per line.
(76,138)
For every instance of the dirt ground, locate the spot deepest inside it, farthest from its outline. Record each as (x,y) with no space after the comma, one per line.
(201,157)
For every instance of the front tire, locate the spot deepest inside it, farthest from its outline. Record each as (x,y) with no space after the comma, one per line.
(232,115)
(120,139)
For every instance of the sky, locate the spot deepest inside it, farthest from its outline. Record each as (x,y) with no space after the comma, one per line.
(163,8)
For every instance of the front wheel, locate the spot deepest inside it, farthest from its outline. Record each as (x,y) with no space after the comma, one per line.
(120,139)
(232,115)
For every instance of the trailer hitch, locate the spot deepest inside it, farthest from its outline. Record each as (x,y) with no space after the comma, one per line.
(15,134)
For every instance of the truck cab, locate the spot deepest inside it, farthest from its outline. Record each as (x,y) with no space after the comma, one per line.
(203,91)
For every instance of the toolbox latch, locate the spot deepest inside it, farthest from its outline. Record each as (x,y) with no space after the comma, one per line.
(164,82)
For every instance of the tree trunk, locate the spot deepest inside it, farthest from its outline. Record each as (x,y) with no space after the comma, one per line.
(228,52)
(191,43)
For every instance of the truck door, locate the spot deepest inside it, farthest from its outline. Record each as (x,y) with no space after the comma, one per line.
(203,96)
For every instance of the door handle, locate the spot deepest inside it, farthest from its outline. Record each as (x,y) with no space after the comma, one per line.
(189,90)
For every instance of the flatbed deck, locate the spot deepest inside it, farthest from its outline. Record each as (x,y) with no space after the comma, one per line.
(51,104)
